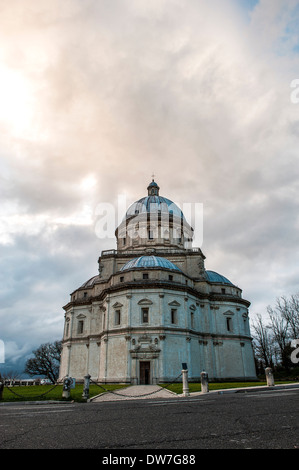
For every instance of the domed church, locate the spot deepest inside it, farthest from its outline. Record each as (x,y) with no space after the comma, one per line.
(153,306)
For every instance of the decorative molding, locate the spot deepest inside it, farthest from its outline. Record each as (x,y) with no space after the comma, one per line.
(228,312)
(145,302)
(144,339)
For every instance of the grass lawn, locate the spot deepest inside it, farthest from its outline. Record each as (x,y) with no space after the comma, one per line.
(51,392)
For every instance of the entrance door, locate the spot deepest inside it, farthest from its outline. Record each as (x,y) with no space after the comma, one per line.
(145,372)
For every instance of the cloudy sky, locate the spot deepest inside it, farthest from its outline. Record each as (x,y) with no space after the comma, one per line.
(96,95)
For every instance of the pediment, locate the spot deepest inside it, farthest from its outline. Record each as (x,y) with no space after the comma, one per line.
(228,312)
(117,305)
(145,302)
(80,316)
(174,303)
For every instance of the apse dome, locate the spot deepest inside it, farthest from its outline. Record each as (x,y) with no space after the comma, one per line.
(216,278)
(145,262)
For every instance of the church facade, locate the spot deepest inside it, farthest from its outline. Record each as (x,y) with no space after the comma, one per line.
(153,306)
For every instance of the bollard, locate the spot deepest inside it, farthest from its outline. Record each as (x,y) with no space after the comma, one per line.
(66,389)
(269,377)
(85,393)
(185,383)
(204,382)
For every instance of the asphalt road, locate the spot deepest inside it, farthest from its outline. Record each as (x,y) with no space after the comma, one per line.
(254,420)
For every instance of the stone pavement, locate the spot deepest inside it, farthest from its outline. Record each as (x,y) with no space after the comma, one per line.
(142,392)
(136,392)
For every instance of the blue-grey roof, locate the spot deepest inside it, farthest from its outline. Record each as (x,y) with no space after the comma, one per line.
(145,262)
(152,204)
(153,183)
(91,281)
(217,278)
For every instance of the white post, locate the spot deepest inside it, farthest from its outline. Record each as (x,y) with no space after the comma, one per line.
(269,377)
(66,389)
(185,383)
(85,393)
(204,382)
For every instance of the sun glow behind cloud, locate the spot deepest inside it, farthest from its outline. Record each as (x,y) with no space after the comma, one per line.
(16,102)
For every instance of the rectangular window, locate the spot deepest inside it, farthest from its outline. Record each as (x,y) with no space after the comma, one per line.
(229,324)
(170,277)
(145,276)
(173,316)
(121,279)
(150,235)
(223,290)
(117,317)
(144,315)
(80,327)
(192,320)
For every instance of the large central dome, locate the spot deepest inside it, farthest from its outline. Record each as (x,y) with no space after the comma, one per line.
(153,221)
(154,203)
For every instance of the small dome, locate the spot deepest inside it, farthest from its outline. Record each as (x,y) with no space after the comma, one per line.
(90,282)
(144,262)
(217,278)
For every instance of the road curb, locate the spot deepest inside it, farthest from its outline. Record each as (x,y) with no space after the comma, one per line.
(257,389)
(44,402)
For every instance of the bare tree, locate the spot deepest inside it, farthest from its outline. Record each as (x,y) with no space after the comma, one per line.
(280,329)
(289,310)
(10,375)
(262,341)
(46,361)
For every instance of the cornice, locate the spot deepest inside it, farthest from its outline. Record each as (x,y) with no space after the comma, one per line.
(150,284)
(158,331)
